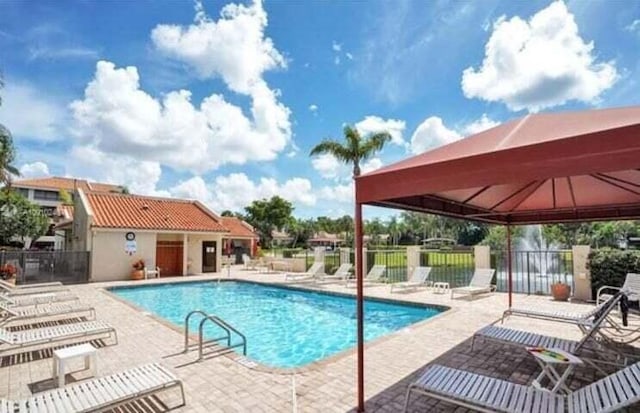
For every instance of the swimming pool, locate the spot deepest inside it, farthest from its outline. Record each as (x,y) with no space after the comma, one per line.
(284,327)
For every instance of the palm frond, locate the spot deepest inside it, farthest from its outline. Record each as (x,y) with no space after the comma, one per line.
(374,143)
(353,138)
(334,148)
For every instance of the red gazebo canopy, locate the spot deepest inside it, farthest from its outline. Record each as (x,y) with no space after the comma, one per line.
(552,167)
(542,168)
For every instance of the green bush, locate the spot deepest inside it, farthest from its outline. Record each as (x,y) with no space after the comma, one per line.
(610,267)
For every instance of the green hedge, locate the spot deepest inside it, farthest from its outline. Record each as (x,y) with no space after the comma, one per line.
(610,267)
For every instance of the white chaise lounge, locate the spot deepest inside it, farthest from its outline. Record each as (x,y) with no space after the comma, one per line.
(36,299)
(53,311)
(488,394)
(342,273)
(100,394)
(418,279)
(312,273)
(480,283)
(15,342)
(631,286)
(373,277)
(11,289)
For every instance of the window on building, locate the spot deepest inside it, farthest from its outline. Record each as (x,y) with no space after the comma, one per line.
(22,191)
(45,195)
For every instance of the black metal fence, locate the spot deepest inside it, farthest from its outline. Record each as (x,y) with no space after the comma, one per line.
(533,272)
(453,267)
(68,267)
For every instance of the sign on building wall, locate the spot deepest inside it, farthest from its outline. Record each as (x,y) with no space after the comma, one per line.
(130,244)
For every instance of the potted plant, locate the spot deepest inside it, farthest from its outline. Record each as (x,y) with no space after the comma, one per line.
(560,291)
(138,270)
(8,273)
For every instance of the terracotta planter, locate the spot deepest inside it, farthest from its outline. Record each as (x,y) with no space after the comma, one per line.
(560,291)
(137,274)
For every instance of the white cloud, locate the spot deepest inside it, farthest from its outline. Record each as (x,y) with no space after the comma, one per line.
(371,165)
(349,56)
(30,113)
(234,47)
(342,193)
(140,176)
(373,124)
(430,134)
(34,170)
(479,125)
(313,108)
(55,53)
(538,63)
(336,60)
(329,167)
(634,26)
(237,190)
(337,47)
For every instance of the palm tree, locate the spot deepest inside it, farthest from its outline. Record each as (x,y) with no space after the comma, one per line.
(7,152)
(355,150)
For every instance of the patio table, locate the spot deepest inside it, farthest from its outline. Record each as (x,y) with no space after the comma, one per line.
(549,359)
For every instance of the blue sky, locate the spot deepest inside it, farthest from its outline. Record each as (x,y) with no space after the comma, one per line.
(223,101)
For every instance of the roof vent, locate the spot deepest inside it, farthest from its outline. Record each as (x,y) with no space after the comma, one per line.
(145,207)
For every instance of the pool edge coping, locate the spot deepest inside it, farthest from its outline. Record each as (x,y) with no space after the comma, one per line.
(285,371)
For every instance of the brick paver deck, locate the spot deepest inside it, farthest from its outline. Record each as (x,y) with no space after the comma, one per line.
(223,384)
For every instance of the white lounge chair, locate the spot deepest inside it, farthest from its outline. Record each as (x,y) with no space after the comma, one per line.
(36,299)
(15,342)
(341,274)
(46,311)
(488,394)
(373,277)
(312,273)
(631,286)
(480,283)
(100,394)
(558,316)
(418,278)
(11,289)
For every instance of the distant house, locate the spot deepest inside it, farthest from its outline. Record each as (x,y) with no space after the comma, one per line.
(45,192)
(281,238)
(241,239)
(179,236)
(325,239)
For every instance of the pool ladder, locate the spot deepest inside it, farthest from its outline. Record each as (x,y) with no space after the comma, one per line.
(202,343)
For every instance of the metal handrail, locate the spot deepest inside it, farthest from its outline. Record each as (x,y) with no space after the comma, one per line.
(220,323)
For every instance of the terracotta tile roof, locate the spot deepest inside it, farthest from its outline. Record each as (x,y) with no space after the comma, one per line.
(65,211)
(141,212)
(238,228)
(68,184)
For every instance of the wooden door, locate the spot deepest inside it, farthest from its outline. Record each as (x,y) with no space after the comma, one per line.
(209,256)
(169,257)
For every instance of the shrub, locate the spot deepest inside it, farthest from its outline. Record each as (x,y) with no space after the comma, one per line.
(610,267)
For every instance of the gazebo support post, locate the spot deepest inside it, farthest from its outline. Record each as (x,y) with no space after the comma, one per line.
(510,282)
(359,304)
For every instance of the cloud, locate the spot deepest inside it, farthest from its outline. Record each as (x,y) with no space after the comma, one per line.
(479,125)
(373,124)
(29,113)
(538,64)
(55,53)
(337,47)
(237,190)
(331,168)
(349,56)
(313,108)
(233,48)
(371,165)
(432,132)
(34,170)
(342,193)
(634,26)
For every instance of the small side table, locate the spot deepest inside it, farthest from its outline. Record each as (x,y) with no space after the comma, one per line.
(440,287)
(64,355)
(549,359)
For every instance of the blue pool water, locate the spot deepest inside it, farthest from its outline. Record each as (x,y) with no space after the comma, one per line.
(284,327)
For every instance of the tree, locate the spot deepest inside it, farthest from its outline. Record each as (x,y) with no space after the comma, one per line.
(20,219)
(7,153)
(355,150)
(65,197)
(497,237)
(266,215)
